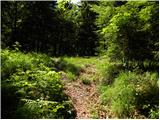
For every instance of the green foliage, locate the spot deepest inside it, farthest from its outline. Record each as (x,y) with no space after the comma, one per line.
(30,79)
(122,37)
(36,84)
(154,113)
(11,21)
(63,65)
(16,46)
(57,25)
(148,94)
(121,95)
(14,60)
(85,80)
(42,109)
(87,38)
(94,114)
(80,62)
(110,72)
(71,76)
(124,32)
(130,92)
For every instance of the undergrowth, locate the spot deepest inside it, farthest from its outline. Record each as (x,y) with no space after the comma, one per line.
(31,88)
(130,94)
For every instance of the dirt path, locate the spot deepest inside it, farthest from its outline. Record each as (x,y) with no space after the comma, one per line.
(84,97)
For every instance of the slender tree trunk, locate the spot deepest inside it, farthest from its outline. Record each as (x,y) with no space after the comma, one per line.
(14,26)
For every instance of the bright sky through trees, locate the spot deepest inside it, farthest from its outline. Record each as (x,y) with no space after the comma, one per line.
(75,1)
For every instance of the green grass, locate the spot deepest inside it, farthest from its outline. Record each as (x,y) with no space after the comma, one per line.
(85,80)
(131,92)
(72,66)
(126,92)
(80,61)
(71,76)
(32,80)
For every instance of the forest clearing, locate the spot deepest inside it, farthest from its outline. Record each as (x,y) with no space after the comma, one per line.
(80,60)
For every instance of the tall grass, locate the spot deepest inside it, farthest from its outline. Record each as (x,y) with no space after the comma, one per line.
(131,93)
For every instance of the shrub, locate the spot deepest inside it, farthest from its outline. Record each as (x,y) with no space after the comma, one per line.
(148,94)
(14,60)
(27,79)
(86,81)
(120,96)
(71,76)
(39,108)
(33,85)
(111,72)
(131,92)
(154,113)
(63,65)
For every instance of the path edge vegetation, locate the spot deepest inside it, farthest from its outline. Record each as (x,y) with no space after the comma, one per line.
(121,38)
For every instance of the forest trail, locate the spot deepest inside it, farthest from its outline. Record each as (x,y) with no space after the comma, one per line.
(84,97)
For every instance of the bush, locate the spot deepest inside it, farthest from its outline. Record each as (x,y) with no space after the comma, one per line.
(63,65)
(132,92)
(120,96)
(42,109)
(85,81)
(30,89)
(148,94)
(14,60)
(111,72)
(70,76)
(35,84)
(154,113)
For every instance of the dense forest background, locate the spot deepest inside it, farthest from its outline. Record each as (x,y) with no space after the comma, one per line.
(124,33)
(85,29)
